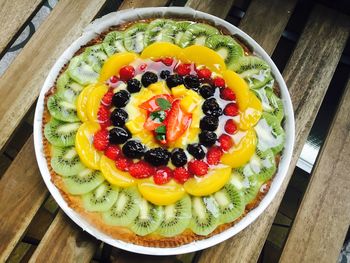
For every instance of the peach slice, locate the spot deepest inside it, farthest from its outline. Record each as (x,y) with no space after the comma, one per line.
(81,102)
(252,114)
(239,87)
(94,102)
(161,49)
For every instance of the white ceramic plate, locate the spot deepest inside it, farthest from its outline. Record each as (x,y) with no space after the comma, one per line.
(116,18)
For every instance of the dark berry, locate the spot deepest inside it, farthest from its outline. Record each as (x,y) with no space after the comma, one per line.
(192,82)
(118,135)
(196,150)
(148,78)
(211,107)
(118,117)
(164,74)
(174,80)
(133,149)
(207,91)
(207,138)
(157,156)
(178,157)
(133,85)
(209,123)
(121,98)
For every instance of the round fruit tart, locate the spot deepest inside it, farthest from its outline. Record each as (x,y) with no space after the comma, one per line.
(161,132)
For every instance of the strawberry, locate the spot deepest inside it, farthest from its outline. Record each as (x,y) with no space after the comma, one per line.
(113,152)
(107,98)
(177,122)
(167,61)
(181,175)
(225,141)
(163,175)
(219,82)
(231,109)
(197,167)
(230,126)
(141,169)
(227,94)
(103,116)
(123,163)
(151,105)
(183,69)
(204,73)
(151,125)
(126,73)
(113,79)
(101,140)
(213,155)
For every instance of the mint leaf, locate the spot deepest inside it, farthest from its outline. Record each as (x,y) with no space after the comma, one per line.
(158,116)
(160,137)
(163,103)
(161,129)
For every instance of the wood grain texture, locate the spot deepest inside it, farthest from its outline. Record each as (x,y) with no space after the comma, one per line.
(319,229)
(36,59)
(13,14)
(126,4)
(307,74)
(217,8)
(22,191)
(65,242)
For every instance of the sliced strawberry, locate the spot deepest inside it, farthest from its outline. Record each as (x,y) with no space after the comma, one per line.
(141,169)
(101,140)
(177,122)
(123,163)
(113,152)
(151,125)
(162,175)
(151,104)
(213,155)
(225,141)
(198,167)
(181,175)
(230,126)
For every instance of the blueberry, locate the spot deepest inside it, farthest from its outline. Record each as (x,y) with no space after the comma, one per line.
(133,85)
(148,78)
(207,91)
(118,117)
(174,80)
(178,157)
(133,149)
(209,123)
(164,74)
(196,150)
(211,107)
(121,98)
(207,138)
(118,135)
(157,156)
(192,82)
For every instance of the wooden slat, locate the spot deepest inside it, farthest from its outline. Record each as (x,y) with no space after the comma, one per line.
(323,218)
(217,8)
(13,14)
(307,75)
(21,83)
(141,3)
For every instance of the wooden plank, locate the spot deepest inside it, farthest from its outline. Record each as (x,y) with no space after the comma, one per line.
(22,191)
(21,83)
(141,3)
(216,8)
(307,74)
(65,242)
(319,229)
(13,14)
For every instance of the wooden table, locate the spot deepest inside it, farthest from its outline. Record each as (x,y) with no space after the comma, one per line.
(323,217)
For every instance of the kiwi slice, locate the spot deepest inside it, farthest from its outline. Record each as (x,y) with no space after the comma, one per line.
(262,164)
(67,88)
(271,103)
(180,29)
(114,43)
(149,218)
(134,37)
(270,133)
(205,215)
(160,30)
(83,182)
(231,203)
(82,72)
(61,133)
(101,198)
(197,34)
(95,56)
(125,209)
(61,109)
(176,217)
(65,161)
(226,47)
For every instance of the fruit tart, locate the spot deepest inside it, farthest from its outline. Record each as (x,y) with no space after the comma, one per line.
(161,132)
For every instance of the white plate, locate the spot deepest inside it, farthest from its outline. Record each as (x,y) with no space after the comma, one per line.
(116,18)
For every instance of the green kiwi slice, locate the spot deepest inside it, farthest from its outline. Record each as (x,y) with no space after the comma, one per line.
(262,164)
(60,133)
(134,37)
(65,161)
(83,182)
(125,209)
(197,34)
(67,88)
(114,43)
(81,71)
(62,110)
(271,103)
(205,215)
(176,217)
(180,29)
(160,30)
(149,218)
(226,47)
(95,56)
(249,185)
(101,198)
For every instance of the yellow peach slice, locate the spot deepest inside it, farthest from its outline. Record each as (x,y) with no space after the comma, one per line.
(161,49)
(239,87)
(94,102)
(252,114)
(81,102)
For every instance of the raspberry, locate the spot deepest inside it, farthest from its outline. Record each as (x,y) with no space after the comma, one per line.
(101,140)
(227,94)
(167,61)
(183,69)
(219,82)
(231,109)
(230,127)
(181,175)
(103,115)
(197,167)
(126,73)
(113,152)
(225,141)
(107,98)
(113,79)
(204,73)
(123,163)
(141,169)
(143,66)
(163,175)
(213,156)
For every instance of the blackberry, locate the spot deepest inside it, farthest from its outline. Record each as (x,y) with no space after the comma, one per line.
(211,107)
(118,135)
(192,82)
(118,117)
(164,74)
(209,123)
(149,78)
(207,91)
(207,138)
(133,149)
(157,156)
(174,80)
(121,98)
(196,150)
(133,85)
(178,157)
